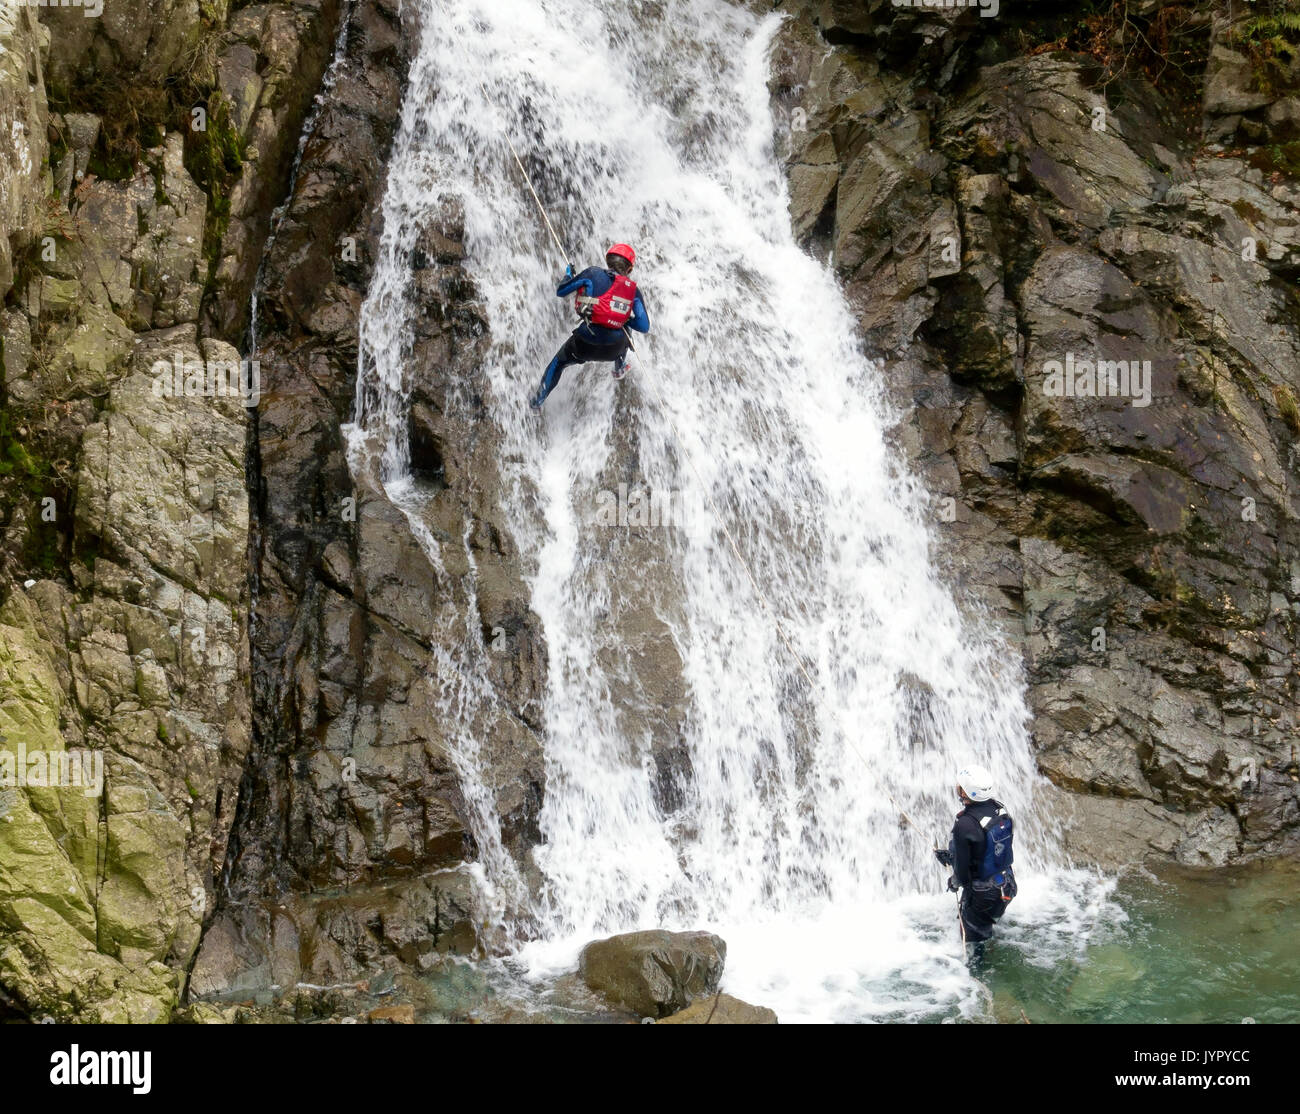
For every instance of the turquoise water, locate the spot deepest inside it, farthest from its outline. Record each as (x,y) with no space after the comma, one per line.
(1217,947)
(1220,947)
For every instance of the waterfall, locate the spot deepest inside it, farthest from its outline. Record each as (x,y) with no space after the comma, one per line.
(694,777)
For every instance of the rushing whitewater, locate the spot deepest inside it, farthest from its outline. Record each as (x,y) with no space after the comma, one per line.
(756,791)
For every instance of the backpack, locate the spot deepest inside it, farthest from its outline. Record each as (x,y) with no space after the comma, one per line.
(998,854)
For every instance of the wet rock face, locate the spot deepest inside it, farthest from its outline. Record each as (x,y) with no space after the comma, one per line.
(358,633)
(328,939)
(138,675)
(268,70)
(721,1009)
(23,143)
(133,525)
(151,37)
(1092,325)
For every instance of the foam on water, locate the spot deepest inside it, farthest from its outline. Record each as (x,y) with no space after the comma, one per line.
(650,122)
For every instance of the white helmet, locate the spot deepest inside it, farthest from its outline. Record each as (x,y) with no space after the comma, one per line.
(976,782)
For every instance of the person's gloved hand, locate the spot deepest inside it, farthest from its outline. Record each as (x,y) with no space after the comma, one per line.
(943,855)
(568,271)
(952,884)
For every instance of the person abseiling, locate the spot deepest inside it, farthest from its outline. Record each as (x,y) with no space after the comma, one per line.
(607,300)
(980,855)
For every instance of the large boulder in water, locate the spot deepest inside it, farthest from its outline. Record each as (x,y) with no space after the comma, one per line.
(654,973)
(722,1009)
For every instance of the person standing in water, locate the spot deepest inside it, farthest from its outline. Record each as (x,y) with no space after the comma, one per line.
(980,855)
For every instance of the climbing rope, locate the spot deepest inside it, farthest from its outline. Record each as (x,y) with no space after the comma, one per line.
(961,923)
(520,163)
(690,460)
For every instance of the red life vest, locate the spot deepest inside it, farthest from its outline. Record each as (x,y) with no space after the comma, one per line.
(613,309)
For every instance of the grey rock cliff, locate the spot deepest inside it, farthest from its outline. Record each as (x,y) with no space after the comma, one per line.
(994,214)
(124,523)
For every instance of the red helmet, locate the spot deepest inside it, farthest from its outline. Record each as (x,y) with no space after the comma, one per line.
(624,251)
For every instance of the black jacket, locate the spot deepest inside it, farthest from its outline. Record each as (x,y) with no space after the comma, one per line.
(967,843)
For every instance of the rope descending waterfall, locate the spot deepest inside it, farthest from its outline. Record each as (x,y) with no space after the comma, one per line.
(529,182)
(735,548)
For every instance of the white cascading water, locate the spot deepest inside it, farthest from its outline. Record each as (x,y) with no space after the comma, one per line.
(752,406)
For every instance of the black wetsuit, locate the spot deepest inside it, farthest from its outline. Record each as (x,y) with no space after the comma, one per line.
(983,901)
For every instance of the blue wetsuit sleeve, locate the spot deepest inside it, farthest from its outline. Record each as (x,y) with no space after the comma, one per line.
(569,286)
(640,320)
(584,279)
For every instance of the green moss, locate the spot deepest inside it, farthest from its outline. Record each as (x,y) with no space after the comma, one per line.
(1286,404)
(27,266)
(215,159)
(44,554)
(1279,158)
(141,113)
(26,480)
(1271,41)
(57,152)
(135,114)
(16,462)
(159,194)
(114,165)
(1251,214)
